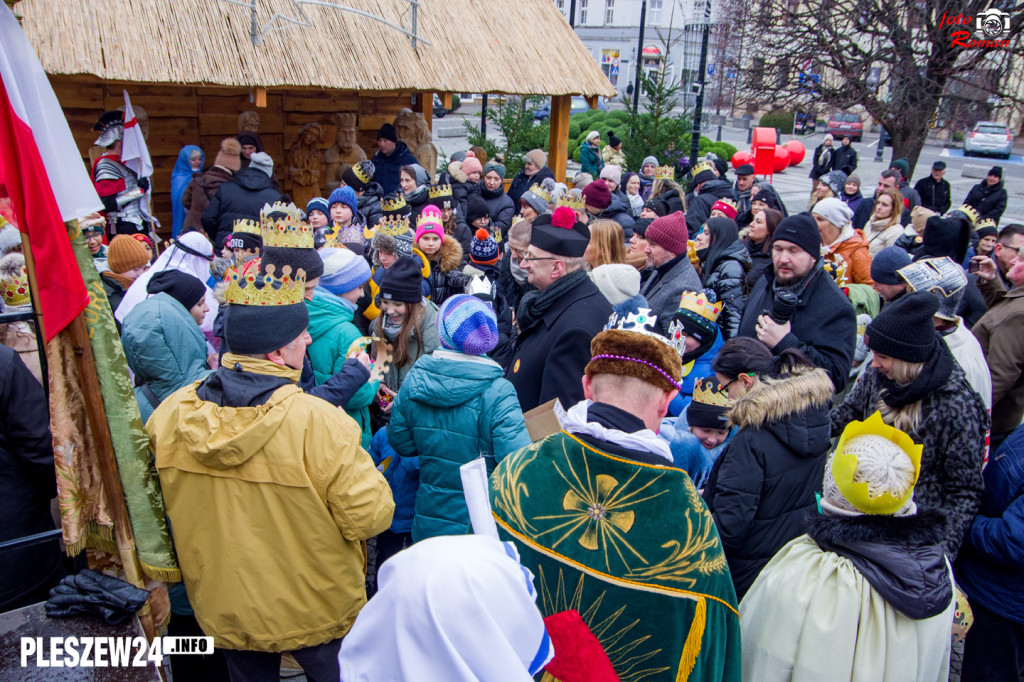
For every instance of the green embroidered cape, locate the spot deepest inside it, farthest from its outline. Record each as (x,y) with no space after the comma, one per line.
(630,546)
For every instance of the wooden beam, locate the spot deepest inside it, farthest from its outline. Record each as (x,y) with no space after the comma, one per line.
(425,105)
(261,98)
(591,101)
(558,142)
(446,100)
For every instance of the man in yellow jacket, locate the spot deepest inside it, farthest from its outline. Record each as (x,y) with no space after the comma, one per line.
(268,493)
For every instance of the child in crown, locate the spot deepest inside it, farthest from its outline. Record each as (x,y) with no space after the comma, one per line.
(700,435)
(443,254)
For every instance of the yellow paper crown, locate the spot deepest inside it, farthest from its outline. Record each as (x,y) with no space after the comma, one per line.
(665,173)
(423,219)
(702,166)
(250,289)
(517,219)
(247,226)
(541,192)
(728,202)
(282,227)
(393,225)
(698,303)
(576,203)
(968,211)
(15,290)
(844,466)
(709,392)
(358,171)
(984,222)
(438,191)
(395,202)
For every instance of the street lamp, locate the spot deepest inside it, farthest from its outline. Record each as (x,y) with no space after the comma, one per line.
(699,87)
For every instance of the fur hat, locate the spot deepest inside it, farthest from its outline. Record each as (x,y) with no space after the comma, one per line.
(618,282)
(467,324)
(635,354)
(125,253)
(230,154)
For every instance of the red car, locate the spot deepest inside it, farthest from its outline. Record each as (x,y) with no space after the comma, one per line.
(843,123)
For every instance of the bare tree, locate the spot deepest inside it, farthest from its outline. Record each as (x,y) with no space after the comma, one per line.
(896,58)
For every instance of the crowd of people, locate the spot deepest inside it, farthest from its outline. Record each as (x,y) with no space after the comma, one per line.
(790,443)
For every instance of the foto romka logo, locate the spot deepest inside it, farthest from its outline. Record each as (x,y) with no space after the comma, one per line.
(991,28)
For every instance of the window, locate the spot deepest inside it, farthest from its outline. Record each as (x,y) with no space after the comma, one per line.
(755,77)
(609,12)
(583,12)
(560,4)
(783,71)
(655,12)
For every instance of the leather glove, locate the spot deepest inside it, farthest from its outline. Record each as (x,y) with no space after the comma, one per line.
(109,203)
(143,184)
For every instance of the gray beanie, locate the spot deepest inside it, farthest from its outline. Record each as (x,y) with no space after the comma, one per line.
(263,162)
(649,159)
(536,202)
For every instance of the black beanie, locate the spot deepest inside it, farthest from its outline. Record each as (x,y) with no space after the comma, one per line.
(476,207)
(710,405)
(307,260)
(613,141)
(945,237)
(387,132)
(402,282)
(641,225)
(997,171)
(904,329)
(802,230)
(245,240)
(722,167)
(184,288)
(260,329)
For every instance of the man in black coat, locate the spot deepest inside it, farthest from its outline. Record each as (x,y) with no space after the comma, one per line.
(988,197)
(935,189)
(823,325)
(845,157)
(242,197)
(28,482)
(708,188)
(558,321)
(889,179)
(390,157)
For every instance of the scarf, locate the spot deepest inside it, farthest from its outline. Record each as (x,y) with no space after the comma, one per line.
(120,279)
(491,193)
(417,196)
(518,274)
(798,286)
(646,440)
(933,376)
(536,303)
(636,204)
(391,329)
(825,156)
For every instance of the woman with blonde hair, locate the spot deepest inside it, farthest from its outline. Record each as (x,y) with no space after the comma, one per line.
(884,227)
(918,388)
(670,193)
(607,244)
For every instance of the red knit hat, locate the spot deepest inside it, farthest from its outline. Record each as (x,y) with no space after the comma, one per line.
(597,194)
(669,232)
(726,206)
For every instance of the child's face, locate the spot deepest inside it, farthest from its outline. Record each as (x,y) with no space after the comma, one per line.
(395,310)
(317,218)
(429,244)
(482,221)
(341,213)
(710,438)
(386,259)
(474,176)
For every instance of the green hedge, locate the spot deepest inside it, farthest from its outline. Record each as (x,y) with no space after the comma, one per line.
(783,120)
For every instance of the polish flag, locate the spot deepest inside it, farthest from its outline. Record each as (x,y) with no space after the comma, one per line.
(43,173)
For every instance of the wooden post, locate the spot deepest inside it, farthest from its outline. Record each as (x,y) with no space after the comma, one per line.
(558,143)
(261,98)
(425,105)
(446,100)
(591,101)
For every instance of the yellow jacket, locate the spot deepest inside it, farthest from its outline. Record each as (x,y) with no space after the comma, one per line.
(268,506)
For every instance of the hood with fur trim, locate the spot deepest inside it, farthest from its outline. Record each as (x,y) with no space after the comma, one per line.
(794,408)
(455,170)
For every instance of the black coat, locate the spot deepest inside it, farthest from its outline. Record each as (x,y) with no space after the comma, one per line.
(502,210)
(824,325)
(728,280)
(619,211)
(934,195)
(700,208)
(522,182)
(461,192)
(242,197)
(759,262)
(761,489)
(551,354)
(988,200)
(369,204)
(818,169)
(28,482)
(844,159)
(913,199)
(388,168)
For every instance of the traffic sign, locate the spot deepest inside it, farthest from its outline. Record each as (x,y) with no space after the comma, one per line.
(711,69)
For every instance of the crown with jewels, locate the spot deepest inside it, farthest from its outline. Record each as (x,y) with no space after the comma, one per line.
(665,173)
(438,191)
(392,203)
(251,289)
(700,167)
(642,322)
(699,304)
(15,290)
(984,222)
(728,202)
(966,210)
(360,173)
(244,225)
(282,226)
(541,192)
(393,225)
(573,201)
(708,392)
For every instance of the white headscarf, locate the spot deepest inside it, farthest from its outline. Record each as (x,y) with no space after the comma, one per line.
(452,608)
(175,258)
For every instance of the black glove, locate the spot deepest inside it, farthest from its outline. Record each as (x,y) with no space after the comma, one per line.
(114,591)
(109,203)
(143,184)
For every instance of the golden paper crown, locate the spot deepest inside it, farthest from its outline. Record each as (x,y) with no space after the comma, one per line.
(250,289)
(282,226)
(728,202)
(424,219)
(576,203)
(438,191)
(517,219)
(702,166)
(844,466)
(15,290)
(708,392)
(665,173)
(968,211)
(984,222)
(393,203)
(247,226)
(698,303)
(358,171)
(541,192)
(393,225)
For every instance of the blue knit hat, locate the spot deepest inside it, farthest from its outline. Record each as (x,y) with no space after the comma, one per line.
(344,195)
(886,263)
(318,204)
(483,250)
(467,325)
(343,271)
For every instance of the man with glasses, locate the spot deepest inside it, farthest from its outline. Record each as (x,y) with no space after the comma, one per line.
(512,278)
(93,235)
(556,322)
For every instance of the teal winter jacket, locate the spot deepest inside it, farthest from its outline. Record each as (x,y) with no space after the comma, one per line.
(451,409)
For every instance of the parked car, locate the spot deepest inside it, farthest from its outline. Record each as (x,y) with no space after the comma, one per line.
(844,123)
(988,137)
(577,106)
(439,110)
(805,123)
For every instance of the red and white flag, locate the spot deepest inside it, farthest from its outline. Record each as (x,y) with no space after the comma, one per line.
(43,173)
(134,152)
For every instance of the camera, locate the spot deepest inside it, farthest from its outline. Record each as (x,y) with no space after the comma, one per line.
(783,307)
(992,24)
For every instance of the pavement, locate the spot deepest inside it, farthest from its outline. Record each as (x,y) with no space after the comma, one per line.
(793,184)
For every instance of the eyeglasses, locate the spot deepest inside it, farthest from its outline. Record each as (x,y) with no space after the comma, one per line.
(530,259)
(726,385)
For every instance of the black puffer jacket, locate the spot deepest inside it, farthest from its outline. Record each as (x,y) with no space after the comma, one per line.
(988,200)
(727,279)
(369,204)
(762,487)
(619,211)
(462,191)
(700,208)
(759,262)
(670,202)
(502,210)
(522,182)
(242,197)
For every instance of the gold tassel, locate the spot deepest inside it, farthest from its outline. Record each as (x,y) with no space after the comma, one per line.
(693,641)
(167,575)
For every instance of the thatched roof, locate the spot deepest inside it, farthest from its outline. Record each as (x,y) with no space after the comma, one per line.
(497,46)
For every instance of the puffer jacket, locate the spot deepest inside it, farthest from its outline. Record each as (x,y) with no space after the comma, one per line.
(502,210)
(855,251)
(620,212)
(369,204)
(988,200)
(590,160)
(446,277)
(762,487)
(728,281)
(332,330)
(952,431)
(462,191)
(269,496)
(523,182)
(402,474)
(164,348)
(388,168)
(242,197)
(700,208)
(759,262)
(452,409)
(428,332)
